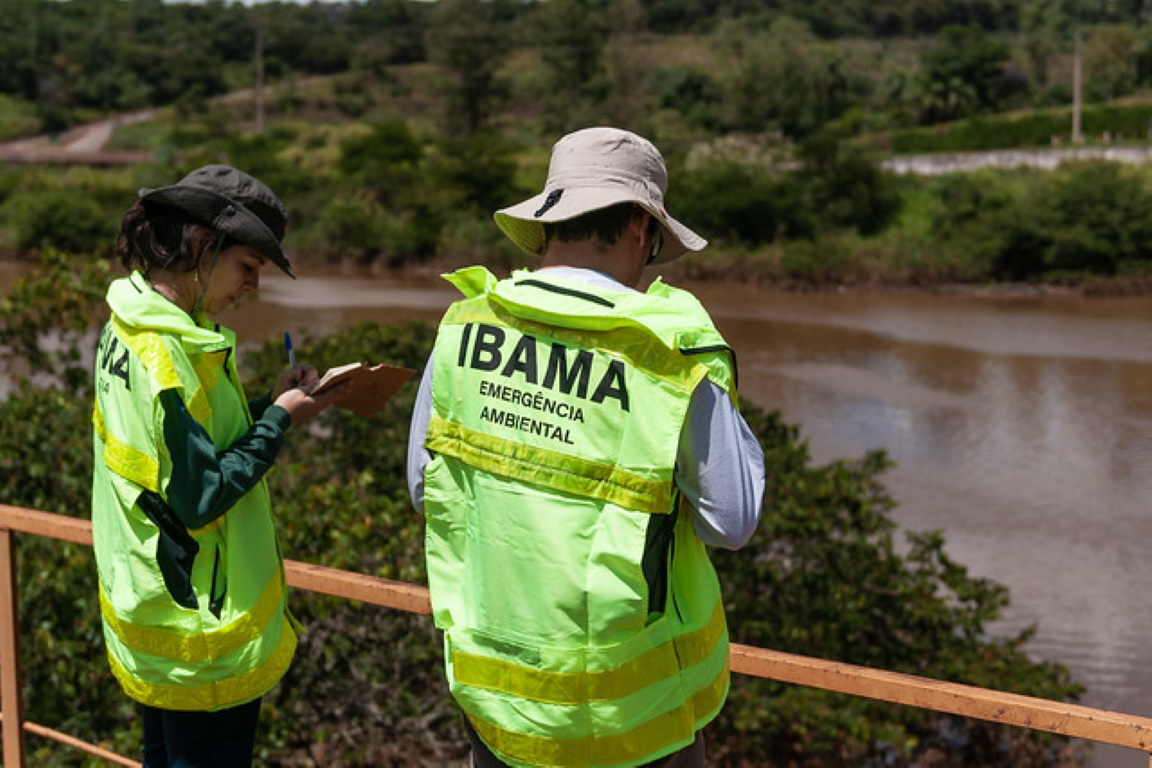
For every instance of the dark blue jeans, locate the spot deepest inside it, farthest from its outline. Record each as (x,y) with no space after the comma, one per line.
(222,739)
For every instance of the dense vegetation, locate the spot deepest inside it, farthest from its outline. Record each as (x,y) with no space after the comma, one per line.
(823,576)
(393,128)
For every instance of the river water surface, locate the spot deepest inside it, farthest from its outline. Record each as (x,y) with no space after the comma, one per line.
(1022,427)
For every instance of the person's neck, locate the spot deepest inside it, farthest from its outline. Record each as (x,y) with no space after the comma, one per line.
(180,288)
(616,261)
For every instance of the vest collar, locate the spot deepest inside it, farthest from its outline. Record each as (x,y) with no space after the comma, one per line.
(137,304)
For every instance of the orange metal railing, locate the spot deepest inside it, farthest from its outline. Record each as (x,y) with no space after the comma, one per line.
(1056,717)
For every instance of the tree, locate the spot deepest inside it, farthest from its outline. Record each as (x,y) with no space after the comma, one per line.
(465,40)
(570,37)
(960,76)
(629,98)
(779,79)
(1046,28)
(1110,62)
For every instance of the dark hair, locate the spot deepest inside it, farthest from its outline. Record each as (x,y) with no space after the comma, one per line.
(157,236)
(605,225)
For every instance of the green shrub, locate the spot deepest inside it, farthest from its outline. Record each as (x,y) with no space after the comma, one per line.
(821,576)
(17,118)
(745,203)
(1085,219)
(67,220)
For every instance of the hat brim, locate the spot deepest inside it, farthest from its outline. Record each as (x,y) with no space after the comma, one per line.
(224,214)
(523,222)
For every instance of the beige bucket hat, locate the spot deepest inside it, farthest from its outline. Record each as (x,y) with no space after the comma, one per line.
(592,169)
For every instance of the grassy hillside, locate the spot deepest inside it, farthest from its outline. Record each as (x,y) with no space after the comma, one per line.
(393,144)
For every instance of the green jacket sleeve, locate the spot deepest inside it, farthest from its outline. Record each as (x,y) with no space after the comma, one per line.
(206,483)
(257,405)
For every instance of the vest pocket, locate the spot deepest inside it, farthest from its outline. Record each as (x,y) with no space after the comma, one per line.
(175,549)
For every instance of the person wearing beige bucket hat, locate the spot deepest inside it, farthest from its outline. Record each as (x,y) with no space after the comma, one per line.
(592,170)
(574,445)
(190,576)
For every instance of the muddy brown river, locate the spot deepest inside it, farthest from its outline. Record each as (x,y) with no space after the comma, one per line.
(1021,427)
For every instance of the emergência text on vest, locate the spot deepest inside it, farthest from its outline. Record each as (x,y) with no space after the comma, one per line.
(521,357)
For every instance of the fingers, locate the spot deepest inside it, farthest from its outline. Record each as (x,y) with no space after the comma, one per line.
(307,375)
(302,406)
(297,377)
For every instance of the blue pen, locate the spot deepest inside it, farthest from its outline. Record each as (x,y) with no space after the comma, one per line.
(291,352)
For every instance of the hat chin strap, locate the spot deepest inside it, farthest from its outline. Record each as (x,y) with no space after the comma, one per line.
(208,279)
(657,246)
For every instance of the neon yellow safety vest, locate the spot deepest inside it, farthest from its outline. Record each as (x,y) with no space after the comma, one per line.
(216,635)
(582,618)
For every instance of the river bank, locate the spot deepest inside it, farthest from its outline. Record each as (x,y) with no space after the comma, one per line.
(761,272)
(764,272)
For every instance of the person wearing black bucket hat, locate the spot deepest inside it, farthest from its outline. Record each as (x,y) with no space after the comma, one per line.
(191,580)
(232,202)
(575,444)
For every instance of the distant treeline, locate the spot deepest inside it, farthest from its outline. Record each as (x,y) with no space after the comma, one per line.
(74,58)
(432,115)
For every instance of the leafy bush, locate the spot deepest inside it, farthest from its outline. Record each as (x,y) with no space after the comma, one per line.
(691,92)
(1092,218)
(17,118)
(745,203)
(833,186)
(822,576)
(61,219)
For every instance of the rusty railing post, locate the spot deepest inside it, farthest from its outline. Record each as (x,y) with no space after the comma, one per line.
(11,706)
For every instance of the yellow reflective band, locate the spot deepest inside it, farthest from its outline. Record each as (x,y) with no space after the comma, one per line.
(123,459)
(639,743)
(219,694)
(579,687)
(203,646)
(550,469)
(208,369)
(152,352)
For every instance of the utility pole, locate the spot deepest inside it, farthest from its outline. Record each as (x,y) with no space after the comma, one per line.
(259,74)
(1077,136)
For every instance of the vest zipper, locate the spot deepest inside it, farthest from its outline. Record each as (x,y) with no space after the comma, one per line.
(216,602)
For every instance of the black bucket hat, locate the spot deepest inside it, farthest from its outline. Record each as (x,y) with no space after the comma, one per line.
(232,202)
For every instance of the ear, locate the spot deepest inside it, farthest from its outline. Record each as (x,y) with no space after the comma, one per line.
(202,239)
(639,224)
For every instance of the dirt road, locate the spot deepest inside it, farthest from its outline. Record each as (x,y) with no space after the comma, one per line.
(83,145)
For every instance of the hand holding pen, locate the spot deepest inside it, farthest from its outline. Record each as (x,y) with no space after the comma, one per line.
(295,376)
(294,387)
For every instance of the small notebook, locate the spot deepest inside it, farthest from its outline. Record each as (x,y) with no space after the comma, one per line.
(372,385)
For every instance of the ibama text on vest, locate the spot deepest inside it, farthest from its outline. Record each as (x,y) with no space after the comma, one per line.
(567,369)
(112,359)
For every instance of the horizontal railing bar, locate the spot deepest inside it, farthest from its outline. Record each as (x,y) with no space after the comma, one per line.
(355,586)
(71,741)
(954,698)
(316,578)
(62,527)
